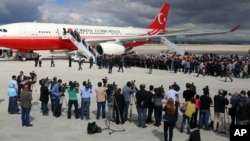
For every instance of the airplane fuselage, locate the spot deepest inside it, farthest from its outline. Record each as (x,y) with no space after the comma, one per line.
(47,36)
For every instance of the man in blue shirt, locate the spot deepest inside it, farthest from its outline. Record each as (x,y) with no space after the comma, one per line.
(85,103)
(56,93)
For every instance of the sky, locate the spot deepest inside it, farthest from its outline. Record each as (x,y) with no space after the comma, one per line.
(195,14)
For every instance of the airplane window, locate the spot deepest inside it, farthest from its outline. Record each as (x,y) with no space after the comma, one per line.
(0,30)
(4,30)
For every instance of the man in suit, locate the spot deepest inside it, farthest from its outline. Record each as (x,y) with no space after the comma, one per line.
(20,82)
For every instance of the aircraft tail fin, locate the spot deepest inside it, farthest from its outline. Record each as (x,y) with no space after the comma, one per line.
(159,22)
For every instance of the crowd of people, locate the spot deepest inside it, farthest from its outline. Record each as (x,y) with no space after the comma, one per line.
(149,103)
(206,64)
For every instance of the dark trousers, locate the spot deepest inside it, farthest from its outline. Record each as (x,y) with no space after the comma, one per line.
(13,107)
(25,116)
(75,103)
(158,115)
(193,123)
(150,112)
(168,130)
(119,114)
(45,107)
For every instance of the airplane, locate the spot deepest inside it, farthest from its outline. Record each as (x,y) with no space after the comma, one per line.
(91,40)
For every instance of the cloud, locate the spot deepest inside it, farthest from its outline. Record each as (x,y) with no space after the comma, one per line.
(221,14)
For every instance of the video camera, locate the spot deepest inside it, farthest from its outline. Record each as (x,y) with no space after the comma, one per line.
(44,80)
(104,80)
(73,84)
(206,90)
(32,75)
(223,92)
(133,84)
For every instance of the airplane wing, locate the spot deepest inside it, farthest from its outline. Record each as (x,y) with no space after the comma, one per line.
(172,46)
(171,34)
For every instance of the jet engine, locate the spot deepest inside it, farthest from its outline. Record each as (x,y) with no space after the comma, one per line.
(110,48)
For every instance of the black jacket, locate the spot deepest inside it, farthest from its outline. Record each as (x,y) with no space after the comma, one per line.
(44,94)
(142,98)
(220,103)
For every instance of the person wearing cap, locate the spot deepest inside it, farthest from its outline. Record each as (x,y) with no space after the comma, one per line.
(127,91)
(220,103)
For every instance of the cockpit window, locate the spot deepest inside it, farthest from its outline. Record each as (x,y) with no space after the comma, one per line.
(4,30)
(0,30)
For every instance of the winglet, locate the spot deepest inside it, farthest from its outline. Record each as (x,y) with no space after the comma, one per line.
(235,28)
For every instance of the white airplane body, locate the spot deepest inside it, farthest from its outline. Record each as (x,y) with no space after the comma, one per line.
(106,40)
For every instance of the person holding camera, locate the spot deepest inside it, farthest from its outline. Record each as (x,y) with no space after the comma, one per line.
(220,102)
(118,106)
(55,92)
(127,91)
(101,100)
(85,100)
(72,91)
(142,100)
(205,103)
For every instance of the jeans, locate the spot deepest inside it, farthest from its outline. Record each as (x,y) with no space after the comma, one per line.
(168,127)
(184,122)
(25,116)
(142,112)
(101,107)
(44,107)
(55,103)
(125,116)
(85,104)
(75,103)
(204,117)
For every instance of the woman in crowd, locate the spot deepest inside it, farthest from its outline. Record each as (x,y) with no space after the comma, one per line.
(170,118)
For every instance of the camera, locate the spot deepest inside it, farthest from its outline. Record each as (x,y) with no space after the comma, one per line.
(63,88)
(32,75)
(73,84)
(222,92)
(44,80)
(104,80)
(206,90)
(133,84)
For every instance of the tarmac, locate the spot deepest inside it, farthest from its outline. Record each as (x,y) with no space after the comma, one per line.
(49,128)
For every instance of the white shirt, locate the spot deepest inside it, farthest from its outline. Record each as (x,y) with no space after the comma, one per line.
(171,94)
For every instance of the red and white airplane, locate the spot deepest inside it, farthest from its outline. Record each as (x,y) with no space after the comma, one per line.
(106,40)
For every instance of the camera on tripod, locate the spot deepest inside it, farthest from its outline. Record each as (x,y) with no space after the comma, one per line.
(73,84)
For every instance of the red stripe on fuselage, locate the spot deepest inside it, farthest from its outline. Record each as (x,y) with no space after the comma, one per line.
(51,43)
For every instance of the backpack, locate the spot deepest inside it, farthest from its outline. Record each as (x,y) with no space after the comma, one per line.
(92,128)
(195,135)
(242,110)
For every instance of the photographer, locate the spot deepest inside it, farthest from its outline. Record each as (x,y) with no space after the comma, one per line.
(205,103)
(232,111)
(55,93)
(127,91)
(220,103)
(72,91)
(101,100)
(119,106)
(29,80)
(85,100)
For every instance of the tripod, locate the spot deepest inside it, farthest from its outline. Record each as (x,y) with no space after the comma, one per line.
(132,100)
(108,121)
